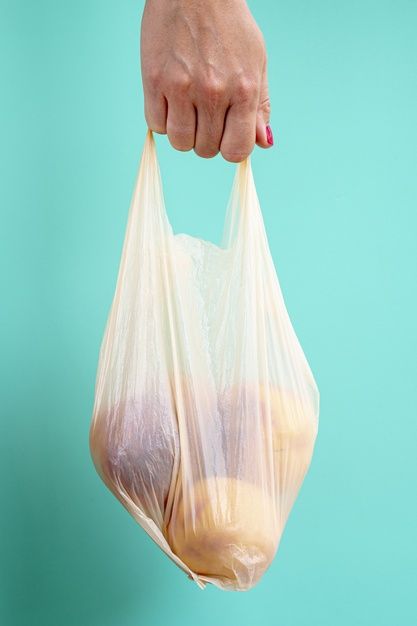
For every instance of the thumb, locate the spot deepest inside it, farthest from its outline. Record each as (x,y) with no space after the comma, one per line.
(264,137)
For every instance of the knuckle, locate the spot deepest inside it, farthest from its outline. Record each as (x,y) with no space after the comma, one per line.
(180,130)
(180,83)
(265,106)
(245,89)
(153,79)
(212,89)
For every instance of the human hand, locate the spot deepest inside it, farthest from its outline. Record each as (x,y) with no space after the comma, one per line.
(204,76)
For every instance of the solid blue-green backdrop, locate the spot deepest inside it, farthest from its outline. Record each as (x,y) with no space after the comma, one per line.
(338,193)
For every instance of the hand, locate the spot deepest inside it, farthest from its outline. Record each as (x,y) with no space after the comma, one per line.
(204,76)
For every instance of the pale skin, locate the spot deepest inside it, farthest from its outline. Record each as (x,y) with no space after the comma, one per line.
(204,74)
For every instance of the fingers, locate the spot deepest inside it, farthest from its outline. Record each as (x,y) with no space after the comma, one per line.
(211,106)
(155,110)
(214,124)
(264,138)
(172,114)
(181,123)
(240,127)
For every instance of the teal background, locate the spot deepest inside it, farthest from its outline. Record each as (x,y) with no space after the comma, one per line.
(338,194)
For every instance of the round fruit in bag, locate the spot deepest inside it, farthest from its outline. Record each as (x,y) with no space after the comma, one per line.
(225,528)
(134,447)
(264,424)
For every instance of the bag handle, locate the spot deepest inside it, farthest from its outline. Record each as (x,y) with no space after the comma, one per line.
(243,211)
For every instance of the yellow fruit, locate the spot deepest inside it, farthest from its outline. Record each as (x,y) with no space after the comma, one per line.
(294,429)
(272,426)
(225,528)
(294,423)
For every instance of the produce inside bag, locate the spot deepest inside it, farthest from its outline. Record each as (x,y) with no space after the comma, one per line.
(206,411)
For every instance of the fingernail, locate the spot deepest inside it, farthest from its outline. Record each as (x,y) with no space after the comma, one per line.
(269,135)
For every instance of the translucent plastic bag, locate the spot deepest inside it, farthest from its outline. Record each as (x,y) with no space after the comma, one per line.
(206,411)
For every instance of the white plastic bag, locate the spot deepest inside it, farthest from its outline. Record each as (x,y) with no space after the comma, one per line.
(206,411)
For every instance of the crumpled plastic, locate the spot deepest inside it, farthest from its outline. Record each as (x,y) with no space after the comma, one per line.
(206,410)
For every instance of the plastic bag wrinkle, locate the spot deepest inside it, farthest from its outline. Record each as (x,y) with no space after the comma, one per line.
(206,410)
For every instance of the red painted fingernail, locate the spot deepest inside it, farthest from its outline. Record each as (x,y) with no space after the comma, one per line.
(269,135)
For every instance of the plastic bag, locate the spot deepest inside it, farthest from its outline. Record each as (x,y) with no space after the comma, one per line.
(206,411)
